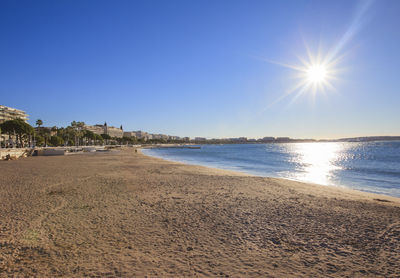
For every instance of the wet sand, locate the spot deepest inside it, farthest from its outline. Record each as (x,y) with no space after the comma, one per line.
(124,214)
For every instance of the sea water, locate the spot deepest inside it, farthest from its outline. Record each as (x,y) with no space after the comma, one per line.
(367,166)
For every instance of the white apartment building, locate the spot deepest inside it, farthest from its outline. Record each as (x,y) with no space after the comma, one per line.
(8,113)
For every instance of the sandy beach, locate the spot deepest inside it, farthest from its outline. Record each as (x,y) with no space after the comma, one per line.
(124,214)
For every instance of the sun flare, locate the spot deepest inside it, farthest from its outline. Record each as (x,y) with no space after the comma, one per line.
(316,74)
(313,75)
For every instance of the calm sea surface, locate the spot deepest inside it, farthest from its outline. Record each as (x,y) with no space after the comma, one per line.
(372,167)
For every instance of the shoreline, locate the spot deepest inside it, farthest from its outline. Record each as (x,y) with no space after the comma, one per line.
(128,214)
(340,187)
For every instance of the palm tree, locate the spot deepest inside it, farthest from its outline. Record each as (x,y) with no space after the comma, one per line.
(78,127)
(39,123)
(74,126)
(46,136)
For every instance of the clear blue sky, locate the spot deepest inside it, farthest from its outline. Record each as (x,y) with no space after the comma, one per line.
(202,68)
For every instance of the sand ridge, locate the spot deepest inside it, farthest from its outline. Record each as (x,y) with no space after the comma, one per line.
(124,214)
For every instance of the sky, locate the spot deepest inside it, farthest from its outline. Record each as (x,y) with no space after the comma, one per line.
(204,68)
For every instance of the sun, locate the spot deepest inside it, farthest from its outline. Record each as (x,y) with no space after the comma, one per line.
(313,75)
(316,74)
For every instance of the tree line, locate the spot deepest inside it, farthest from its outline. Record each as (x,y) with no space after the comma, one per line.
(22,134)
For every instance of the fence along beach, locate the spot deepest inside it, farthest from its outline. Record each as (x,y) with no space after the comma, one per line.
(126,214)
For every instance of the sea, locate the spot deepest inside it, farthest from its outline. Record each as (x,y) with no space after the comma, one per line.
(366,166)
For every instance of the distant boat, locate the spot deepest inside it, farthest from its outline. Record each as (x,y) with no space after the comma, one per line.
(194,147)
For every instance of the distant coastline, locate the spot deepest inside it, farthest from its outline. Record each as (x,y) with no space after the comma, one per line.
(244,140)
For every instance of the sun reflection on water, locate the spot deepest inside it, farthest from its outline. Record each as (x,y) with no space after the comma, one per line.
(316,161)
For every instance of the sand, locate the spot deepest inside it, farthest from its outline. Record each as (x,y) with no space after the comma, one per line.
(124,214)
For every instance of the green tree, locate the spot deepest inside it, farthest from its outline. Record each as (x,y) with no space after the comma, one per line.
(39,140)
(78,127)
(67,134)
(39,123)
(98,139)
(106,137)
(89,135)
(19,128)
(46,133)
(56,141)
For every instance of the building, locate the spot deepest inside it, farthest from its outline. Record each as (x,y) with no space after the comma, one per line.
(141,134)
(105,129)
(114,131)
(96,129)
(268,139)
(130,134)
(8,113)
(282,139)
(161,136)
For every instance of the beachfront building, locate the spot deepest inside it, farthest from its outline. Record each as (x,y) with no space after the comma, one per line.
(142,135)
(200,139)
(105,129)
(8,113)
(174,138)
(148,136)
(160,136)
(130,134)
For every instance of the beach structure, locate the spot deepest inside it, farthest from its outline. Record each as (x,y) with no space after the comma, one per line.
(8,113)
